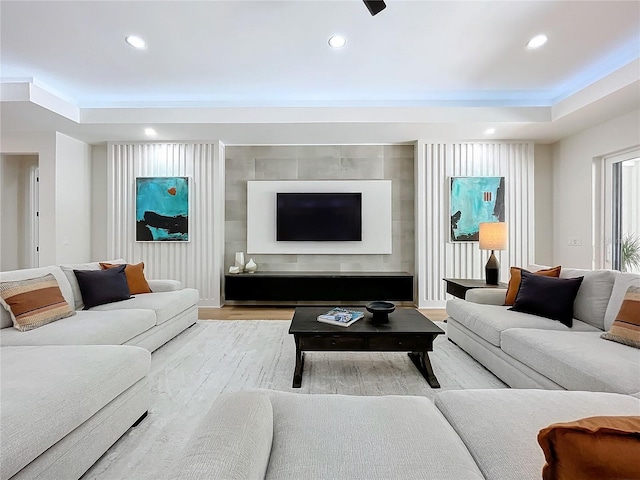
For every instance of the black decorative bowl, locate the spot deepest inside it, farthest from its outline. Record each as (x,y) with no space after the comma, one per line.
(380,311)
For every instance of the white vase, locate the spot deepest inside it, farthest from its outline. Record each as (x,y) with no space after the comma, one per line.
(240,261)
(251,266)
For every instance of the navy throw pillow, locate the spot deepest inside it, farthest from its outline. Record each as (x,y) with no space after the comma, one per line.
(102,286)
(548,297)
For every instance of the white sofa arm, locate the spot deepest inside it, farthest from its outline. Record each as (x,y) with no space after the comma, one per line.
(164,285)
(488,296)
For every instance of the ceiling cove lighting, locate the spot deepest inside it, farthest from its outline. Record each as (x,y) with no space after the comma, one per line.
(136,42)
(150,132)
(490,131)
(537,42)
(337,41)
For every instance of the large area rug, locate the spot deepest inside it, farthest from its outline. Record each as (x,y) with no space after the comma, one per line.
(212,357)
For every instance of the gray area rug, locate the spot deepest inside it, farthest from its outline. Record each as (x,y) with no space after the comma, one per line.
(212,357)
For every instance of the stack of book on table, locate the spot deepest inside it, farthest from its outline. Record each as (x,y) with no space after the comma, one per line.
(340,316)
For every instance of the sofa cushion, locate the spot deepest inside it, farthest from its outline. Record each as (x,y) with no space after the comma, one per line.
(34,302)
(489,321)
(500,427)
(547,296)
(626,328)
(85,328)
(592,448)
(135,277)
(576,360)
(622,282)
(226,448)
(347,437)
(593,296)
(47,392)
(516,277)
(166,305)
(24,274)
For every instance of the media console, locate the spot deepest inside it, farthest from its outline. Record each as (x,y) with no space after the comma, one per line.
(308,287)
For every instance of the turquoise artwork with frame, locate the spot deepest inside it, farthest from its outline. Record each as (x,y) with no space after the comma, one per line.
(162,209)
(474,200)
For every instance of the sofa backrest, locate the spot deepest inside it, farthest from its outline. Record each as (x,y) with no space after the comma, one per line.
(620,285)
(27,273)
(593,296)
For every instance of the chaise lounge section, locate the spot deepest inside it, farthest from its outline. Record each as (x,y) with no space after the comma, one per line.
(466,434)
(72,387)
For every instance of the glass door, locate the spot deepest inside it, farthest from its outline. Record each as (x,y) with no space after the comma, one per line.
(621,212)
(626,216)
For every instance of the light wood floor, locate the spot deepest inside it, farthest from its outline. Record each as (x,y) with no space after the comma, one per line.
(237,312)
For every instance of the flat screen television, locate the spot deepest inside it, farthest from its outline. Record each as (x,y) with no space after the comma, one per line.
(319,217)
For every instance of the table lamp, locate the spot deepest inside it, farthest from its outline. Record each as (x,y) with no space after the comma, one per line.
(493,236)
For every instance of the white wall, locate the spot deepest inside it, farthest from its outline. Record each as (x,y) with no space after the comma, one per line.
(543,182)
(44,146)
(376,217)
(99,202)
(436,256)
(573,209)
(197,263)
(9,197)
(73,200)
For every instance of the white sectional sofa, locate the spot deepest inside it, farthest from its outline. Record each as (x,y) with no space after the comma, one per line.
(71,388)
(528,351)
(567,374)
(465,434)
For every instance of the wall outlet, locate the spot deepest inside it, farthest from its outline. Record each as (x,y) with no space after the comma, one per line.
(574,242)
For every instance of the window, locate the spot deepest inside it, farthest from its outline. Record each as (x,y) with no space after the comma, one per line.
(620,236)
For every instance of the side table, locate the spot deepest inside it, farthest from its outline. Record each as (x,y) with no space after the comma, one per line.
(458,287)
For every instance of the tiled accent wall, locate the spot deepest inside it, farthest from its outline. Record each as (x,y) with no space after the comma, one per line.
(334,162)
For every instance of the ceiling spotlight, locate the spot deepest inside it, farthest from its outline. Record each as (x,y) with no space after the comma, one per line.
(136,42)
(337,41)
(537,42)
(375,6)
(150,132)
(490,131)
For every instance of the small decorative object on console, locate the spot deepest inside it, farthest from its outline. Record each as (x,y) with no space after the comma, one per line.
(251,266)
(234,269)
(340,316)
(240,261)
(380,311)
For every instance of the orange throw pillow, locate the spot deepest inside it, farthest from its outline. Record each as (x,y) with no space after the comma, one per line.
(135,277)
(592,448)
(516,277)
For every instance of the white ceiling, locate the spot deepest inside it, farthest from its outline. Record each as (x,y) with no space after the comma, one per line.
(262,72)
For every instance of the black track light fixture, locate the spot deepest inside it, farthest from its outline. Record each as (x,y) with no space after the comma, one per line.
(375,6)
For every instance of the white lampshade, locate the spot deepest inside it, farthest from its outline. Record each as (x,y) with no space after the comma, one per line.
(493,236)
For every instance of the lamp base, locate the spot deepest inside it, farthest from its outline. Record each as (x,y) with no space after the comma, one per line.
(492,270)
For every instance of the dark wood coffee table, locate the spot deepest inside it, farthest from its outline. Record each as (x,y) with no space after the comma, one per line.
(407,331)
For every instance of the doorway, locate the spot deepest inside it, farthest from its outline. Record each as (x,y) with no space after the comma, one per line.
(19,212)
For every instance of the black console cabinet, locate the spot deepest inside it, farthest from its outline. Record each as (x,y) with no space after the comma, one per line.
(319,286)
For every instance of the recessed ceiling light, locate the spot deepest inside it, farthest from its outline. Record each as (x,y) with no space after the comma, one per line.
(150,132)
(337,41)
(136,42)
(490,131)
(537,41)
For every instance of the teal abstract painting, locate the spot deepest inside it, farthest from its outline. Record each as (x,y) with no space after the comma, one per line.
(162,209)
(474,200)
